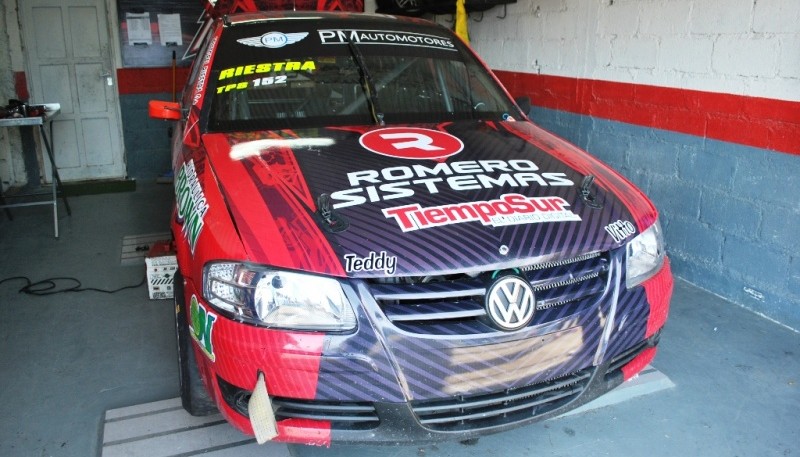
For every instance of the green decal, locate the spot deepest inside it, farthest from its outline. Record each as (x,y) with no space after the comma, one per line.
(190,203)
(202,324)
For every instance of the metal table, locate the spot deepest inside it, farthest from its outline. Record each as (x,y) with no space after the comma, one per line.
(50,111)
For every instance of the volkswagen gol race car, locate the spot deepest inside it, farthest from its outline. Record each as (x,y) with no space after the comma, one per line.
(376,245)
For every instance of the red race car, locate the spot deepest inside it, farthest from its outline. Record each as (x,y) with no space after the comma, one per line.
(376,245)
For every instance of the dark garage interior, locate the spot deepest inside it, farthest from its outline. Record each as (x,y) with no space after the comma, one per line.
(695,102)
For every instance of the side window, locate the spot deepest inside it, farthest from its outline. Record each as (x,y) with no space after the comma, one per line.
(484,100)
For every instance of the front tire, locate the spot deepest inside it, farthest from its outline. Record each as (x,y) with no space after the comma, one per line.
(194,396)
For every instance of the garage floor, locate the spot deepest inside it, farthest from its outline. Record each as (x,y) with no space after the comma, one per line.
(67,358)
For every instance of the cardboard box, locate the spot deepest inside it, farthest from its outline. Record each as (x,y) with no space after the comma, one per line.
(161,267)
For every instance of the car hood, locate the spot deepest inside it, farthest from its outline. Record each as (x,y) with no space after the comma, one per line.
(420,200)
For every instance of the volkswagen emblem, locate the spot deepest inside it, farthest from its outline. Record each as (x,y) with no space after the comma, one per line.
(510,303)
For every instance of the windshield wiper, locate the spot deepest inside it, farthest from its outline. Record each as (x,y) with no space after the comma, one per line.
(367,84)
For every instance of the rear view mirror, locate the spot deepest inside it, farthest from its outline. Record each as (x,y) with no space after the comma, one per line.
(169,111)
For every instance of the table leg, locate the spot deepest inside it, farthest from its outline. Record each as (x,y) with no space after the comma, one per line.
(54,173)
(3,202)
(54,178)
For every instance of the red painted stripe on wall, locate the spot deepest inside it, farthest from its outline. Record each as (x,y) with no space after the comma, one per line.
(21,86)
(752,121)
(150,80)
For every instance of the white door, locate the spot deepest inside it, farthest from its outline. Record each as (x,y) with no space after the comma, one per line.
(69,62)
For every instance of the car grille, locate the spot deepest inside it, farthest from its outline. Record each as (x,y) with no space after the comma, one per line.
(341,415)
(501,408)
(453,305)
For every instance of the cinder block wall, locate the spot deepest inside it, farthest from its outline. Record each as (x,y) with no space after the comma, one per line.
(147,141)
(697,102)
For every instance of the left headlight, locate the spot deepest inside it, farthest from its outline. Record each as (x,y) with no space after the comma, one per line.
(644,255)
(276,298)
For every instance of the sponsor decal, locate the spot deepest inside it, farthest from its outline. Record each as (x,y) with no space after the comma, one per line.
(267,67)
(190,202)
(201,77)
(379,261)
(273,39)
(411,143)
(384,37)
(259,82)
(509,209)
(620,230)
(406,181)
(201,326)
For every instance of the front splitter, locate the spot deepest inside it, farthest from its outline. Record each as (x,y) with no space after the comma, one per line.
(163,428)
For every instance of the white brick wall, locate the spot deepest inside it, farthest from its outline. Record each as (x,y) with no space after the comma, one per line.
(743,47)
(789,59)
(684,54)
(714,17)
(771,16)
(745,56)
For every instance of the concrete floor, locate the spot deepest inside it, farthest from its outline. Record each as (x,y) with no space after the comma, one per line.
(67,358)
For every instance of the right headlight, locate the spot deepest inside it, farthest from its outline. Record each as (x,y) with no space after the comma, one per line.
(277,298)
(644,255)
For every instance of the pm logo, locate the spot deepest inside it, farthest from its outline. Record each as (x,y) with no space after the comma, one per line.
(273,39)
(510,303)
(411,143)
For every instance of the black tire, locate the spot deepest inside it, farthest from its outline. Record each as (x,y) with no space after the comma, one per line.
(194,396)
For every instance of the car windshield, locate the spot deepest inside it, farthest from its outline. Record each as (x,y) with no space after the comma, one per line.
(301,74)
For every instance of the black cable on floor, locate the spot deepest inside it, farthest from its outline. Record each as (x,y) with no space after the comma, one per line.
(50,286)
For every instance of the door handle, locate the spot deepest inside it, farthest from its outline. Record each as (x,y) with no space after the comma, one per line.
(107,75)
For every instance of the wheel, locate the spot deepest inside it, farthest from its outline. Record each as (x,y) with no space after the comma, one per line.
(194,396)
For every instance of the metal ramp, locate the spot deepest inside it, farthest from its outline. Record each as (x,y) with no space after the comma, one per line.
(164,429)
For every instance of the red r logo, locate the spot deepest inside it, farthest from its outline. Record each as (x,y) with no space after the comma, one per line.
(411,143)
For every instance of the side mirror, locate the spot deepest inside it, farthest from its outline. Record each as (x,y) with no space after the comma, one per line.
(169,111)
(524,104)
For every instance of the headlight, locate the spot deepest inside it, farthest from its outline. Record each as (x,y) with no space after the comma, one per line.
(645,255)
(275,298)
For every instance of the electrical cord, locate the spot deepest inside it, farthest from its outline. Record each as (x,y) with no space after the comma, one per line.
(50,286)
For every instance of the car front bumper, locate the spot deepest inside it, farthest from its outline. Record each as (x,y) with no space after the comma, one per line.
(382,385)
